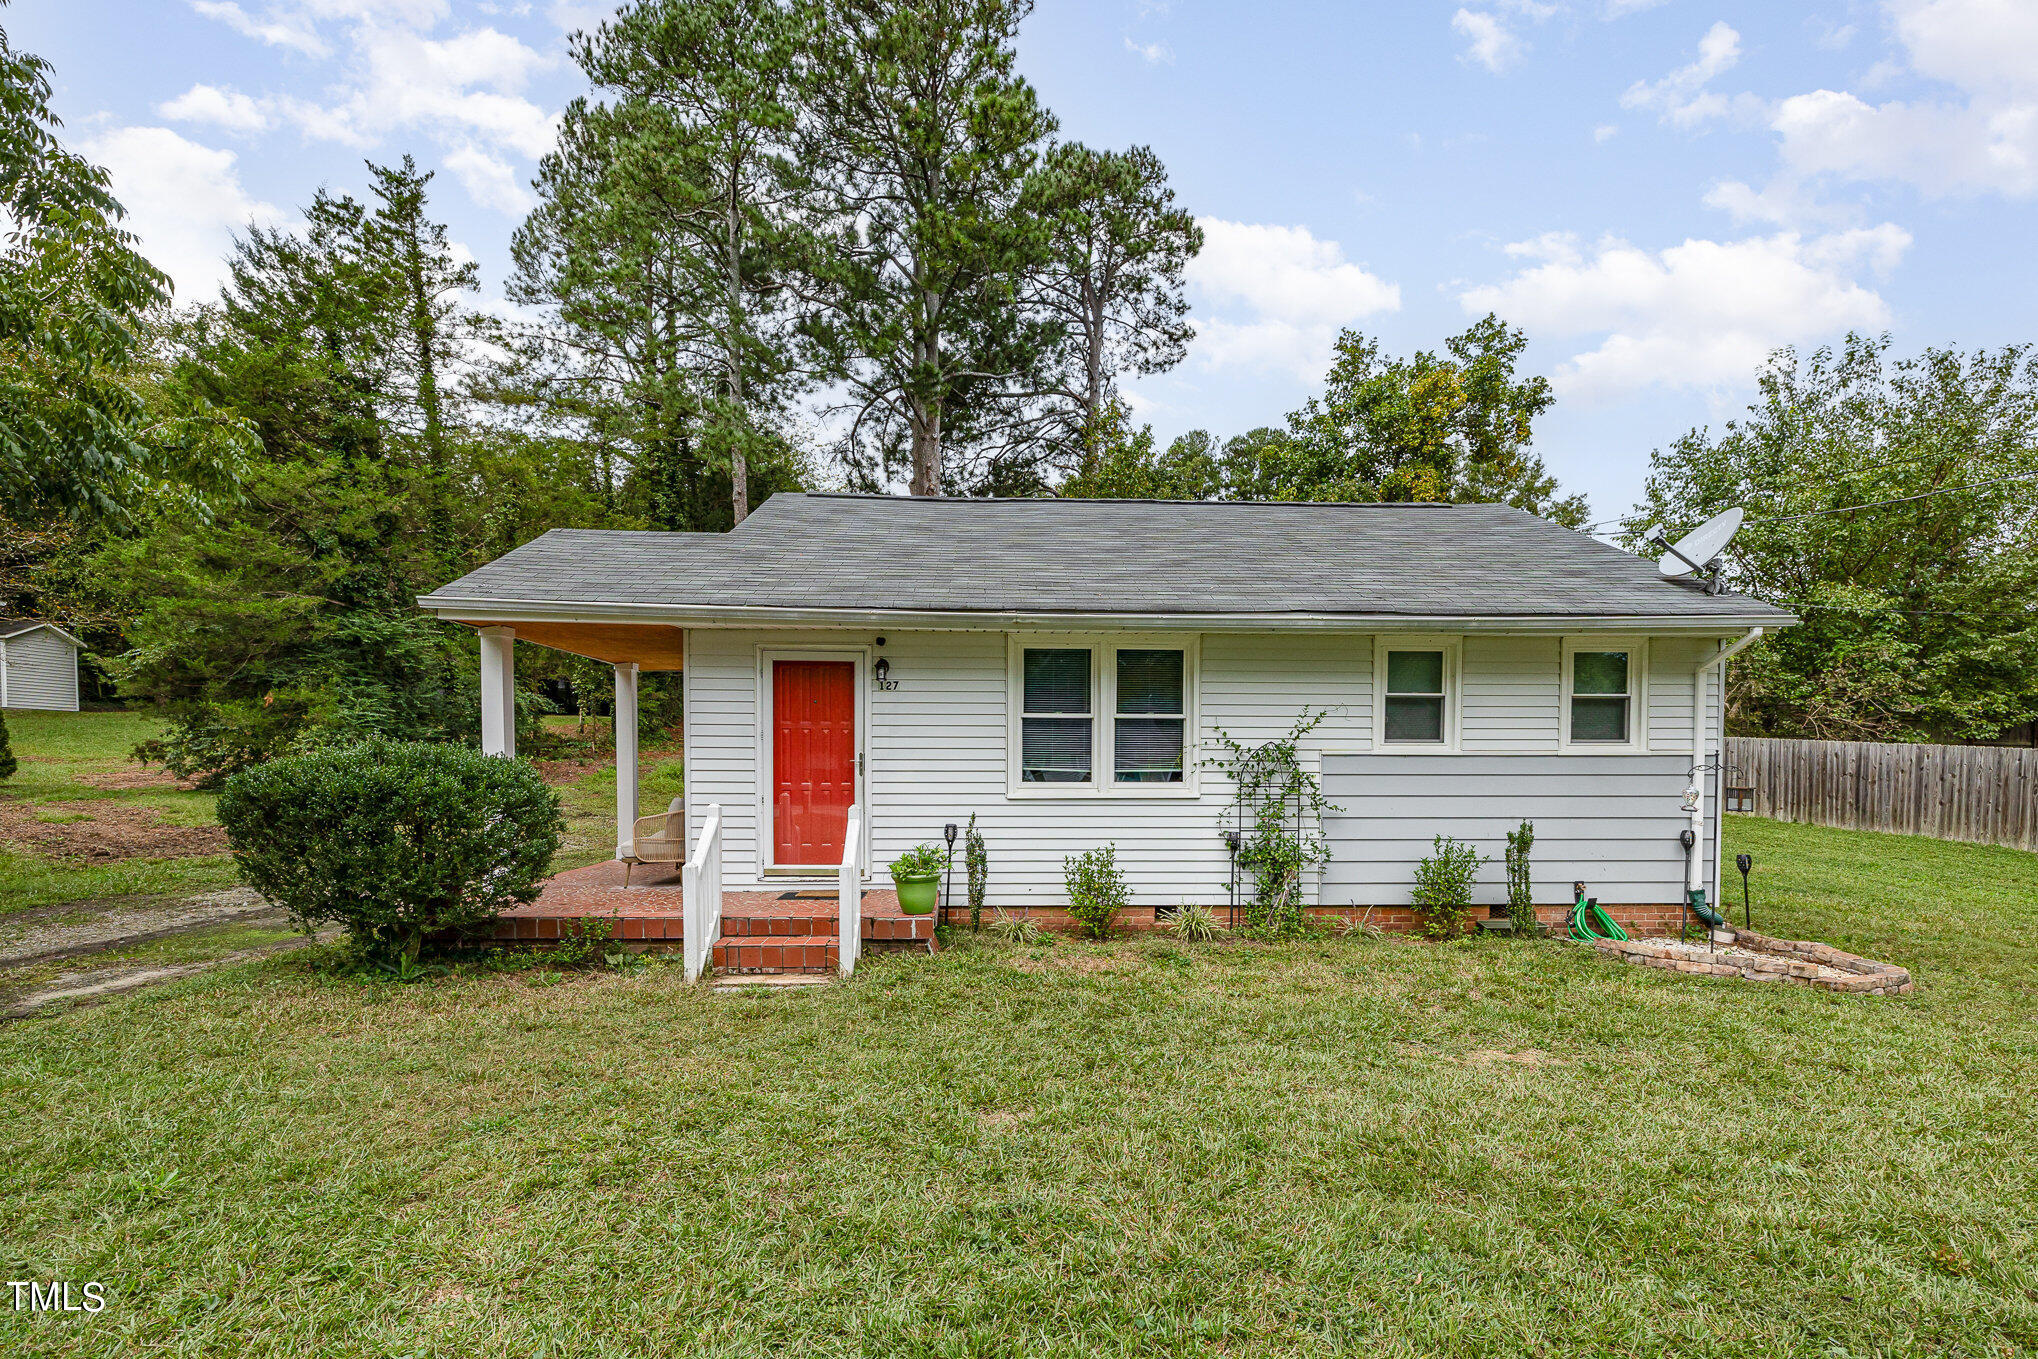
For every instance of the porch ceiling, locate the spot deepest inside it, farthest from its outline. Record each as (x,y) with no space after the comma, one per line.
(653,646)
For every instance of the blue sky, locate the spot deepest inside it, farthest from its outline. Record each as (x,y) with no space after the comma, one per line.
(1658,192)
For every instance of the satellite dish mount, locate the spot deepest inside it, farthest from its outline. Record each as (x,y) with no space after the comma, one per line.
(1696,556)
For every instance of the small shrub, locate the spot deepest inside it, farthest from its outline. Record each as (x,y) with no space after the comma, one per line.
(581,942)
(1096,888)
(393,840)
(976,862)
(8,764)
(1195,925)
(918,862)
(1018,929)
(1443,887)
(1521,901)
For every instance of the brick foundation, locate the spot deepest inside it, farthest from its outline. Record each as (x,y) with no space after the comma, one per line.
(1638,919)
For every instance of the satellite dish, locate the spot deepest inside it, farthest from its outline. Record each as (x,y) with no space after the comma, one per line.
(1694,555)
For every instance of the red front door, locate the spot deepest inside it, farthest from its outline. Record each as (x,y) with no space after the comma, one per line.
(813,759)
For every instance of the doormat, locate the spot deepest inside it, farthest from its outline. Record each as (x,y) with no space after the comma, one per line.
(815,896)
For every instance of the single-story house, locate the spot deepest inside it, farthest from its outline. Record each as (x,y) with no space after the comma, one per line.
(38,665)
(1063,670)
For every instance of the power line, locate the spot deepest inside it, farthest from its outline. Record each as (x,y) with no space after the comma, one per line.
(1899,500)
(1848,509)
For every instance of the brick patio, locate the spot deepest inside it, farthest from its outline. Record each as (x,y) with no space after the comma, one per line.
(793,930)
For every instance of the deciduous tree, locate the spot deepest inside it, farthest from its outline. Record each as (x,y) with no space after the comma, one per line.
(1891,505)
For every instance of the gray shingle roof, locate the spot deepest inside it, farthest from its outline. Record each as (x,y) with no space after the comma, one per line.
(824,552)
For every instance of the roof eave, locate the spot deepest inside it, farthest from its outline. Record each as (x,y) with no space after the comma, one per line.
(473,610)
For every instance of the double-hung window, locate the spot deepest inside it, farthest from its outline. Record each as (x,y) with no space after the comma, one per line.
(1417,680)
(1103,716)
(1147,731)
(1603,694)
(1057,735)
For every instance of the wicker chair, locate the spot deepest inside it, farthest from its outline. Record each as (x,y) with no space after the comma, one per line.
(658,839)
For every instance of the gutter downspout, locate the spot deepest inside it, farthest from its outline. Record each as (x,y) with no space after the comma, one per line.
(1694,893)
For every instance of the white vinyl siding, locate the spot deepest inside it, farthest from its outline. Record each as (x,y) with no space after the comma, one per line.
(1507,686)
(1610,821)
(41,671)
(938,750)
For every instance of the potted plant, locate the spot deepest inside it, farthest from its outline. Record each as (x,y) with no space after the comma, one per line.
(917,875)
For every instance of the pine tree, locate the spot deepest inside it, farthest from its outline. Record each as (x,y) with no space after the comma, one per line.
(922,135)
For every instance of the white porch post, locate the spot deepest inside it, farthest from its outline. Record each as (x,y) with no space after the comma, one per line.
(498,691)
(625,724)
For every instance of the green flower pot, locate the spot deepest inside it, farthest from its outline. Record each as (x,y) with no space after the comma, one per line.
(918,892)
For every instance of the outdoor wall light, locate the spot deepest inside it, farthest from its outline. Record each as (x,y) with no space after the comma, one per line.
(883,670)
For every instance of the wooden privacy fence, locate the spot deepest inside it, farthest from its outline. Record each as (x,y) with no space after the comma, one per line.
(1985,794)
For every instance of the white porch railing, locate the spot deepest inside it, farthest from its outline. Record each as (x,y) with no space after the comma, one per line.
(700,885)
(849,889)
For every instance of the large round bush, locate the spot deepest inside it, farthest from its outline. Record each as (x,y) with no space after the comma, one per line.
(392,839)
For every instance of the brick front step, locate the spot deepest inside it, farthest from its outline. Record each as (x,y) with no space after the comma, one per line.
(778,926)
(754,954)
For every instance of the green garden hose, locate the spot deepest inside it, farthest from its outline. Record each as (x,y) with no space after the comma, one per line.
(1586,915)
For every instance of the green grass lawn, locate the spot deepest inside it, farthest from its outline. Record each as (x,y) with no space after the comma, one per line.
(588,803)
(60,754)
(1492,1147)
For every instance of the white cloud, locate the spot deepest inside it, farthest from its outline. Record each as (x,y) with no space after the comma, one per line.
(184,201)
(489,180)
(1620,9)
(1978,45)
(1152,53)
(1489,41)
(400,79)
(1702,314)
(1605,132)
(1276,296)
(1940,148)
(228,109)
(573,16)
(286,30)
(1828,35)
(1784,201)
(1681,98)
(1979,137)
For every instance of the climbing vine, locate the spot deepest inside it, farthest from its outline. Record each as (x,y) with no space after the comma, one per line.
(1280,809)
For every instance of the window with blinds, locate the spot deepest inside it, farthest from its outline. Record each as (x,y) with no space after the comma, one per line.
(1100,717)
(1148,728)
(1057,735)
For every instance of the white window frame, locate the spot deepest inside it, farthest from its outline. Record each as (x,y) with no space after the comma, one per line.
(1103,649)
(1637,650)
(1453,648)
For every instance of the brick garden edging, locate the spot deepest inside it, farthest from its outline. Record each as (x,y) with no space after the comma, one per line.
(1785,960)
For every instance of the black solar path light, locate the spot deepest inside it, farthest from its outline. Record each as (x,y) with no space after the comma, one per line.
(1744,862)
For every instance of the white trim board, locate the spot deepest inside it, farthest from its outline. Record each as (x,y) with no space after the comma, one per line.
(753,616)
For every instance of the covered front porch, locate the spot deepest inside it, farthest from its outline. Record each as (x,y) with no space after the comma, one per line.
(660,892)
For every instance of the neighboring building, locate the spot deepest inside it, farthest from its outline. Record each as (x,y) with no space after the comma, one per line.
(1062,669)
(38,665)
